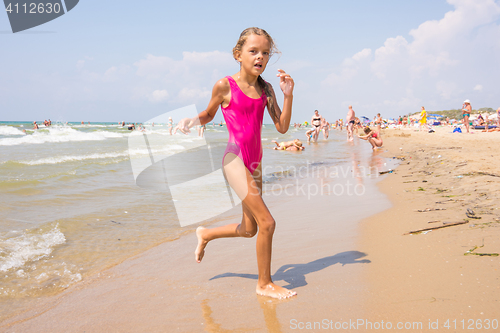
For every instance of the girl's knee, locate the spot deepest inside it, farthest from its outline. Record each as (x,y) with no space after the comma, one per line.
(267,225)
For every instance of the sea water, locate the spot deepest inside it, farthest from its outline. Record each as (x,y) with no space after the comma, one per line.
(71,206)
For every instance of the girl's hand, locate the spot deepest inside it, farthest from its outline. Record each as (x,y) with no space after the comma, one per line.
(184,126)
(286,82)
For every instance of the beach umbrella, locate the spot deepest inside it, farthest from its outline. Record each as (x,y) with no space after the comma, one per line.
(434,115)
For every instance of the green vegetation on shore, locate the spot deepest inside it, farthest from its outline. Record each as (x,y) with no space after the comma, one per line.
(456,113)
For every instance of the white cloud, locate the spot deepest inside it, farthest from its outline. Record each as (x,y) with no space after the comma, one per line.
(186,95)
(435,68)
(158,96)
(152,79)
(365,53)
(188,80)
(80,64)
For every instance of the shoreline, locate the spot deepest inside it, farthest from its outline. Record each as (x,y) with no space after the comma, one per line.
(434,276)
(350,266)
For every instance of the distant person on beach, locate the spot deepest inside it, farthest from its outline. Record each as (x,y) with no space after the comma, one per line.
(325,127)
(35,125)
(170,125)
(480,120)
(423,119)
(201,130)
(498,118)
(310,133)
(242,98)
(289,145)
(341,124)
(372,137)
(350,123)
(316,124)
(357,125)
(466,111)
(378,122)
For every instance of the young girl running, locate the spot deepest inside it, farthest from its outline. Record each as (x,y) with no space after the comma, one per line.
(243,97)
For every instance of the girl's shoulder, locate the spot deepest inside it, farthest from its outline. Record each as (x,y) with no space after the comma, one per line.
(222,85)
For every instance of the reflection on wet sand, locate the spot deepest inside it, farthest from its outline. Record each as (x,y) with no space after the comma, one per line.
(267,305)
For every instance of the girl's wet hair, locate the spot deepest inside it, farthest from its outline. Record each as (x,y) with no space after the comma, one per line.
(367,129)
(272,50)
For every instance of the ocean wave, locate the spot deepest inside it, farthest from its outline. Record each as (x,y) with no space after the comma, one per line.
(15,252)
(73,158)
(9,130)
(59,134)
(124,154)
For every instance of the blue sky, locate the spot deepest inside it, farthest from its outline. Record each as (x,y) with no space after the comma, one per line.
(129,60)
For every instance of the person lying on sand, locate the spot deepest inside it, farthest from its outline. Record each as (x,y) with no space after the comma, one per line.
(372,137)
(491,130)
(289,145)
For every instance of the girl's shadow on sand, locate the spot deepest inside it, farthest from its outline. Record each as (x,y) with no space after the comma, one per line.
(295,274)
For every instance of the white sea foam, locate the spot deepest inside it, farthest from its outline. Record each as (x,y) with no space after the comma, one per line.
(96,156)
(28,247)
(9,130)
(59,134)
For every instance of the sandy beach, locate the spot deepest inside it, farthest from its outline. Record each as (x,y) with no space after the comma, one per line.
(350,268)
(431,276)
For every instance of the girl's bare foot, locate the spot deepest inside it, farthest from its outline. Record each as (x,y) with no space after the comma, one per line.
(274,291)
(200,249)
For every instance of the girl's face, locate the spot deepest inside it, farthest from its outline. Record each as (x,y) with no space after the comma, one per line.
(254,54)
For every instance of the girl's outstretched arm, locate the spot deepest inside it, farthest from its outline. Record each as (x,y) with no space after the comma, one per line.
(286,85)
(221,93)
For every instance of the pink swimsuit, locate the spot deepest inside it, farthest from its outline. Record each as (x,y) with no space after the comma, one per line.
(244,117)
